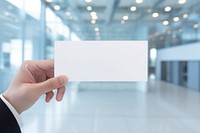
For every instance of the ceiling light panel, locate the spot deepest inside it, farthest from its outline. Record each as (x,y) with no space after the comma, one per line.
(125,17)
(139,1)
(185,15)
(93,13)
(166,22)
(57,7)
(89,8)
(182,1)
(93,21)
(155,15)
(96,29)
(49,1)
(94,17)
(88,1)
(196,26)
(133,8)
(176,19)
(168,9)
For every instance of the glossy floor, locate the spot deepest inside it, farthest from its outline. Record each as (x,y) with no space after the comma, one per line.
(155,107)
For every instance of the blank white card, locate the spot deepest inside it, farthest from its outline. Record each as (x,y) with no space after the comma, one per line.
(102,60)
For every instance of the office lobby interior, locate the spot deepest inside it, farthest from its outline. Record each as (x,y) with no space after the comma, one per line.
(169,102)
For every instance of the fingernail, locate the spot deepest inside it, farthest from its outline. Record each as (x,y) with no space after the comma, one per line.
(63,79)
(60,98)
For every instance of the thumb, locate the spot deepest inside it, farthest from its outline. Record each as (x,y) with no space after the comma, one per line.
(51,84)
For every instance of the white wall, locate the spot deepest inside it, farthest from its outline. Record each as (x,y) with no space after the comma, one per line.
(188,52)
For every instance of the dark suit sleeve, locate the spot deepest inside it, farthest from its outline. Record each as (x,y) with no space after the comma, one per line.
(8,123)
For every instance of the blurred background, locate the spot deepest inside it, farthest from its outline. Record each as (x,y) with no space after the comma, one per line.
(168,102)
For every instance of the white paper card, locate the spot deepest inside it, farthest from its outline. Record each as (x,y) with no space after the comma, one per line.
(102,60)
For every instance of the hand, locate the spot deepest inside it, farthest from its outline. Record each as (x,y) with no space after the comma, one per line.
(34,79)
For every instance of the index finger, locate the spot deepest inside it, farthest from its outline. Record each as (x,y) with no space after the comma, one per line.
(45,64)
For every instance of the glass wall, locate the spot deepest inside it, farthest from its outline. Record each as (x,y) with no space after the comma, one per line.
(56,30)
(26,34)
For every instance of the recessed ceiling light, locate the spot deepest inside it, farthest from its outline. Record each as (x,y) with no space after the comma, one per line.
(196,26)
(155,14)
(125,17)
(88,1)
(93,13)
(139,1)
(94,17)
(49,0)
(93,21)
(57,7)
(89,8)
(168,9)
(182,1)
(176,19)
(165,22)
(185,15)
(133,8)
(96,29)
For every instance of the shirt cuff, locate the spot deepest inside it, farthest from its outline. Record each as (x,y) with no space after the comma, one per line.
(13,110)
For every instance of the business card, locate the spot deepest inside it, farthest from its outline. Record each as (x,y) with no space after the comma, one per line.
(110,61)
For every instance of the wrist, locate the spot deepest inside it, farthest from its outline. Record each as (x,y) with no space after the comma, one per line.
(9,99)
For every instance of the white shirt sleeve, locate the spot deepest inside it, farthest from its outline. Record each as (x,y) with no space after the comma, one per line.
(12,109)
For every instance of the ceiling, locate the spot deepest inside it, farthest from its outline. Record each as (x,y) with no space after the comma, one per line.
(115,21)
